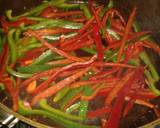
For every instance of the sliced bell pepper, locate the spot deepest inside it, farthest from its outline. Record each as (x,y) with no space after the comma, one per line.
(12,46)
(43,104)
(36,10)
(84,103)
(86,11)
(58,119)
(3,59)
(31,69)
(61,94)
(60,85)
(98,41)
(49,23)
(73,107)
(127,30)
(69,96)
(113,120)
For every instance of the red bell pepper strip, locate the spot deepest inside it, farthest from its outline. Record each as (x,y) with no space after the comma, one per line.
(54,49)
(20,21)
(118,86)
(130,103)
(17,23)
(16,94)
(71,41)
(38,76)
(151,45)
(76,19)
(43,32)
(68,44)
(13,92)
(30,55)
(132,36)
(4,24)
(89,22)
(108,38)
(113,45)
(104,92)
(117,25)
(136,98)
(145,94)
(62,14)
(3,59)
(44,74)
(96,15)
(54,75)
(90,82)
(60,85)
(98,41)
(94,94)
(98,112)
(71,101)
(111,12)
(78,45)
(48,10)
(110,64)
(113,120)
(103,74)
(127,30)
(145,103)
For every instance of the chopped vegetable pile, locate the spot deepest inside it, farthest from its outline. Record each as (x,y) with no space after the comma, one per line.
(57,59)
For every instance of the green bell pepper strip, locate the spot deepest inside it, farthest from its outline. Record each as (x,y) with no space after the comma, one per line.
(61,94)
(17,35)
(113,33)
(73,107)
(22,41)
(12,46)
(18,74)
(58,119)
(144,57)
(49,23)
(51,38)
(29,46)
(149,78)
(43,104)
(2,87)
(135,62)
(86,11)
(1,30)
(108,55)
(151,82)
(35,10)
(136,26)
(46,57)
(90,50)
(84,104)
(23,49)
(30,69)
(106,8)
(137,29)
(69,96)
(1,44)
(67,6)
(37,18)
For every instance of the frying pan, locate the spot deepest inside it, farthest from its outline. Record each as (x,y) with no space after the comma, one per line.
(148,16)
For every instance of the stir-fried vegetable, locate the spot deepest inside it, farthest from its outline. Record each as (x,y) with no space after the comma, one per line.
(56,59)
